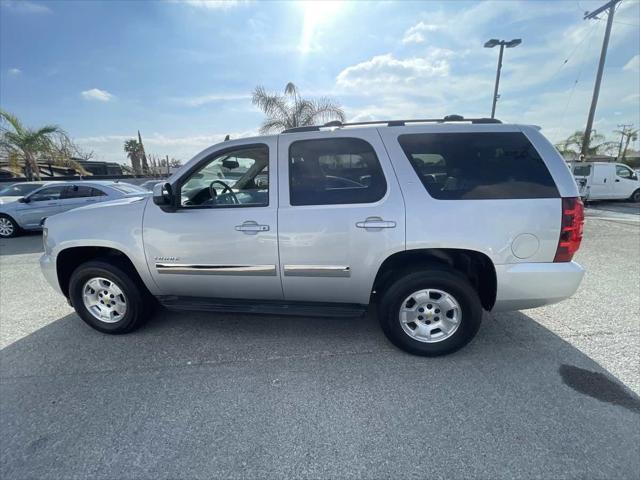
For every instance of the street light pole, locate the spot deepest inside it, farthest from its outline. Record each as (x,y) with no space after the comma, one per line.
(495,90)
(490,44)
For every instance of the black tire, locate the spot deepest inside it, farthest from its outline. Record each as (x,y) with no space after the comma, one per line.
(138,308)
(16,228)
(635,196)
(440,278)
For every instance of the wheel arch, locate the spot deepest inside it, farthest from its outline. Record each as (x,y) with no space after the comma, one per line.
(68,259)
(476,266)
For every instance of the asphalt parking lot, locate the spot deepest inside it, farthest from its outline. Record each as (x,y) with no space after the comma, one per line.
(544,393)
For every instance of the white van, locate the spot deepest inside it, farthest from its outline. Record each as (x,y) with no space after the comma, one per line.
(606,181)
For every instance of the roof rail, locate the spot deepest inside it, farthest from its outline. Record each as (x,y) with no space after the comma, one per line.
(391,123)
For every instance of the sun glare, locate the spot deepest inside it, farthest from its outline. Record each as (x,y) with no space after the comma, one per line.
(316,13)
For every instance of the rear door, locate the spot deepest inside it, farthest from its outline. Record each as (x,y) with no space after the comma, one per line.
(601,186)
(79,195)
(340,214)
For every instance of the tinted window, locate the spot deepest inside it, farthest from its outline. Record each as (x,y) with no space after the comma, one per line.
(233,178)
(81,191)
(334,171)
(474,166)
(48,193)
(582,170)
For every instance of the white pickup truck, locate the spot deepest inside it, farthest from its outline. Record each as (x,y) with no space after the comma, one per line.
(606,181)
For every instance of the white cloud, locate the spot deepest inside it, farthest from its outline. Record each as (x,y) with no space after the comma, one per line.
(633,64)
(212,4)
(14,71)
(386,71)
(416,33)
(198,101)
(97,94)
(25,6)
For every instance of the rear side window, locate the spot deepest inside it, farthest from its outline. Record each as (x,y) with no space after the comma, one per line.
(582,170)
(478,166)
(334,171)
(81,191)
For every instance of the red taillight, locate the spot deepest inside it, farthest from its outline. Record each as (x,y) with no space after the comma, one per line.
(570,229)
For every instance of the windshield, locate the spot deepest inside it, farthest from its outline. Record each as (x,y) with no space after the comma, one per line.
(19,189)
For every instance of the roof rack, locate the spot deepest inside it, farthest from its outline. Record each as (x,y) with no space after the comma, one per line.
(392,123)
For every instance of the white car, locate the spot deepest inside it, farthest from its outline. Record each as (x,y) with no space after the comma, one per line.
(606,181)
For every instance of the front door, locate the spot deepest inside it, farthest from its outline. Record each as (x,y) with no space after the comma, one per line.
(601,182)
(43,203)
(221,242)
(625,183)
(341,214)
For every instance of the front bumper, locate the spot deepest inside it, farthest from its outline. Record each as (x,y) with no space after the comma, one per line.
(530,285)
(48,267)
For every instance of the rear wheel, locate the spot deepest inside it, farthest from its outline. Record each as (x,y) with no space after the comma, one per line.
(635,196)
(107,298)
(431,313)
(8,227)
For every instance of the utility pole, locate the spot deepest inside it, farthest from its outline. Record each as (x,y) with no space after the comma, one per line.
(611,6)
(624,128)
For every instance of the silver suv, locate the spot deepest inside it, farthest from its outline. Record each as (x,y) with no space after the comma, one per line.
(431,221)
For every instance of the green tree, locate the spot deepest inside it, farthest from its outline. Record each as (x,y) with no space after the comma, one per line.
(570,147)
(133,148)
(30,145)
(291,110)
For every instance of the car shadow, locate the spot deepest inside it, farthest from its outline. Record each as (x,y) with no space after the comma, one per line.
(201,395)
(28,242)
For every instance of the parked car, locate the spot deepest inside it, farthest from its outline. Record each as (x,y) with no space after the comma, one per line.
(10,193)
(430,222)
(606,181)
(29,212)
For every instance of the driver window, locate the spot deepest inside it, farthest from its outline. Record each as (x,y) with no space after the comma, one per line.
(623,172)
(236,178)
(48,194)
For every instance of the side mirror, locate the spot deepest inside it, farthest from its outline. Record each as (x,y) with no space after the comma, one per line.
(24,199)
(163,196)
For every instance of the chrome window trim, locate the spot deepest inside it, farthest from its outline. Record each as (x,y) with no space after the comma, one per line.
(216,269)
(317,271)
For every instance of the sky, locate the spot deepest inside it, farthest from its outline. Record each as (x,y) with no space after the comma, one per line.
(182,72)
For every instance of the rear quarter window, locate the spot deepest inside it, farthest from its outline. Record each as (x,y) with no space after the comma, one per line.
(478,166)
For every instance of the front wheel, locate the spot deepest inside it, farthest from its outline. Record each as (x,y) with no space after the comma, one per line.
(430,313)
(106,297)
(8,227)
(635,196)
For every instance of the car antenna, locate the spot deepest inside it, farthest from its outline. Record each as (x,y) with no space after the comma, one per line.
(226,139)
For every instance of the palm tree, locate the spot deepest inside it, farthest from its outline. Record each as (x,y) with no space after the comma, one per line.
(290,110)
(571,147)
(134,153)
(30,145)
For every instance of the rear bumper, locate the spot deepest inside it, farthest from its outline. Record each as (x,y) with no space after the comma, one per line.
(530,285)
(48,267)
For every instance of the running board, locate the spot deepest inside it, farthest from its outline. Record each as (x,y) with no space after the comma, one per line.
(264,307)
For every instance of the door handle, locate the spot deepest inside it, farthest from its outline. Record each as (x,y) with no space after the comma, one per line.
(52,203)
(376,222)
(617,180)
(251,228)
